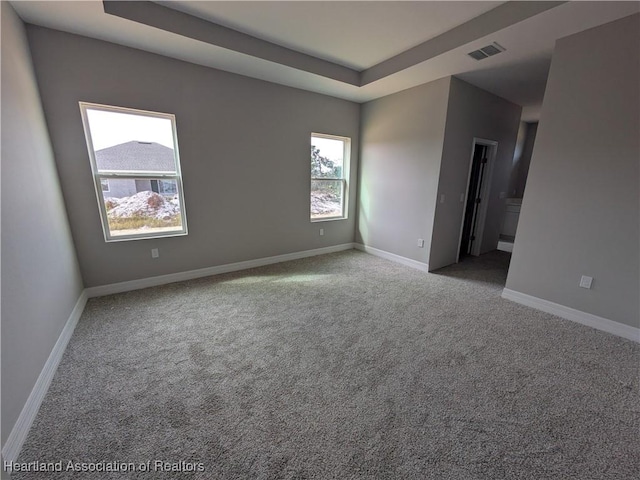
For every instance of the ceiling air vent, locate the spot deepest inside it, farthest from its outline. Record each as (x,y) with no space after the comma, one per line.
(487,51)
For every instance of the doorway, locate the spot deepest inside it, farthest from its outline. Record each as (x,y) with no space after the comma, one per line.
(479,186)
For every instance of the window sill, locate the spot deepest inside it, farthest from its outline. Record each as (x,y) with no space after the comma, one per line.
(328,219)
(150,236)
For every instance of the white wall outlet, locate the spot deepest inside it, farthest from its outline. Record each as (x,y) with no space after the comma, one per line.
(585,282)
(462,198)
(421,243)
(442,198)
(503,194)
(155,253)
(321,232)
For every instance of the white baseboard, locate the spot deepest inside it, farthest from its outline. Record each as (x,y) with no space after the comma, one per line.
(18,435)
(505,246)
(393,257)
(207,272)
(20,430)
(588,319)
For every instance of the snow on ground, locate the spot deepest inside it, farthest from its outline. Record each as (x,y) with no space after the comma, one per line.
(143,204)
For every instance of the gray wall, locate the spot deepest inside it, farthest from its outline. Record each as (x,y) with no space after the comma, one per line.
(402,136)
(416,145)
(124,187)
(521,162)
(580,210)
(40,277)
(472,112)
(244,150)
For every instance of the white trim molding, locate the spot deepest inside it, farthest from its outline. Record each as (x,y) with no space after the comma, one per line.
(578,316)
(18,435)
(393,257)
(505,246)
(20,430)
(112,288)
(485,191)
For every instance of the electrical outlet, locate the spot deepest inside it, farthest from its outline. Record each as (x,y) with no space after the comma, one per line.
(421,243)
(442,198)
(503,194)
(585,282)
(462,198)
(155,253)
(321,232)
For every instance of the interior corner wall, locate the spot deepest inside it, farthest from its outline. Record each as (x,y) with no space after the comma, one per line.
(41,280)
(580,211)
(520,170)
(517,158)
(472,112)
(244,152)
(401,136)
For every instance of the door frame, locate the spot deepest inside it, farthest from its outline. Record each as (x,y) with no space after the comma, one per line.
(485,191)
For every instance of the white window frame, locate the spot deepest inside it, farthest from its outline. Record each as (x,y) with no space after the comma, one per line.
(346,168)
(133,174)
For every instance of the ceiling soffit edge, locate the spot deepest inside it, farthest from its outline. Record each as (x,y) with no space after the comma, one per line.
(180,23)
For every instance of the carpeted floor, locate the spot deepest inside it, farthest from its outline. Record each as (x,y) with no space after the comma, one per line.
(344,366)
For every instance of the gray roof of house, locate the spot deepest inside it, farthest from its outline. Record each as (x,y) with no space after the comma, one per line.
(136,156)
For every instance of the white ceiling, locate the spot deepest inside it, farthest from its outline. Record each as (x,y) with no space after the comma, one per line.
(357,35)
(354,34)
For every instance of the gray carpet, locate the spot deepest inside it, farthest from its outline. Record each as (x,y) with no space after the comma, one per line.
(341,366)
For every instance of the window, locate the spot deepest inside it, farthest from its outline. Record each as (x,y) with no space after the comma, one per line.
(136,170)
(329,175)
(167,187)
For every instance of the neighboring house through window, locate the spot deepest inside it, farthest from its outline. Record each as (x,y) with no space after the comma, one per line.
(329,176)
(136,169)
(164,187)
